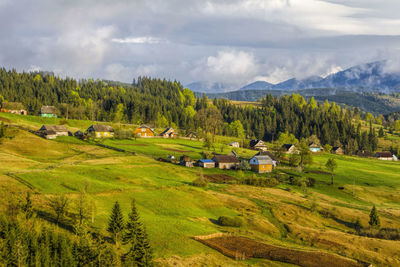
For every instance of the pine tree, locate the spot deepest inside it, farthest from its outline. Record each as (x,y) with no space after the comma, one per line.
(331,165)
(28,207)
(374,220)
(135,235)
(116,222)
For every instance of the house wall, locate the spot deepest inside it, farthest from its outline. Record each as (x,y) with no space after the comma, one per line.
(207,164)
(48,115)
(315,149)
(102,134)
(143,132)
(62,134)
(227,165)
(261,168)
(20,112)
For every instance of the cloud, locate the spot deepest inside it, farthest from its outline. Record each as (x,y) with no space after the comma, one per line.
(137,40)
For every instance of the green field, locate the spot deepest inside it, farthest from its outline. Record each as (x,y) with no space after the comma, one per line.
(174,211)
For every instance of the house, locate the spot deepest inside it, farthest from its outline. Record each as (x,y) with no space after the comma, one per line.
(337,150)
(13,107)
(385,155)
(261,163)
(290,149)
(168,133)
(100,131)
(79,134)
(226,161)
(233,153)
(53,131)
(48,111)
(144,131)
(234,144)
(185,161)
(314,147)
(206,163)
(257,144)
(191,135)
(269,154)
(364,154)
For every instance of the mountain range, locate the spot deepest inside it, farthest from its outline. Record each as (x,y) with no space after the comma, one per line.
(370,77)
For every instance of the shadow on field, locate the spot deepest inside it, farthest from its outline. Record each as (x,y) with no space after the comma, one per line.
(50,218)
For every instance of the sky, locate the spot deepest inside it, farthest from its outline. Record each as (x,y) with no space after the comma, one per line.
(227,41)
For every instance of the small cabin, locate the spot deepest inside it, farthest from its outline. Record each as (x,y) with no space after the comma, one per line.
(13,107)
(144,131)
(385,155)
(206,163)
(186,161)
(337,150)
(314,147)
(234,144)
(100,131)
(269,154)
(290,149)
(261,163)
(226,161)
(53,131)
(168,133)
(257,144)
(48,111)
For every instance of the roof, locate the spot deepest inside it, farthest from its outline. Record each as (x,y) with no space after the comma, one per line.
(336,148)
(48,110)
(206,160)
(384,154)
(233,153)
(101,128)
(287,146)
(236,142)
(184,158)
(53,128)
(226,159)
(314,145)
(12,105)
(168,130)
(264,160)
(257,142)
(266,153)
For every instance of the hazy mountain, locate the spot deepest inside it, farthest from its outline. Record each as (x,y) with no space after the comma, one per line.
(258,85)
(207,87)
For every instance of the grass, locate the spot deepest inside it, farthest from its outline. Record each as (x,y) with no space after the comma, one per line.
(174,211)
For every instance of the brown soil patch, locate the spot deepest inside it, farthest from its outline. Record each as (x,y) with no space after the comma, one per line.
(219,178)
(177,150)
(4,120)
(245,248)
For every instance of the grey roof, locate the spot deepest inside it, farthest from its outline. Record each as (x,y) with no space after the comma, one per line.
(266,153)
(100,128)
(226,159)
(53,128)
(48,110)
(264,159)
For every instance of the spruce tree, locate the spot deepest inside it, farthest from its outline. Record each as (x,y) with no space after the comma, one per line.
(116,222)
(374,220)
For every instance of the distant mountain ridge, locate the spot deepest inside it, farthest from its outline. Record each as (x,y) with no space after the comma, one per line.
(369,77)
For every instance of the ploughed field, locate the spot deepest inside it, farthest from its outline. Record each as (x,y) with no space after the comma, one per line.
(289,215)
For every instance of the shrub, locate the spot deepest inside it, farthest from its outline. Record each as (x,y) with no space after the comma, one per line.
(200,182)
(261,181)
(244,165)
(310,182)
(229,221)
(294,181)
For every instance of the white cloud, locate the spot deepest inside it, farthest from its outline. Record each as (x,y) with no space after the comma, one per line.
(137,40)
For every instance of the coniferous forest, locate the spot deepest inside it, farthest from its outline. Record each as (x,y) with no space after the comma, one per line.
(166,103)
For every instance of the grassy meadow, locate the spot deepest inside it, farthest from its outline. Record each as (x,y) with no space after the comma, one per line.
(318,218)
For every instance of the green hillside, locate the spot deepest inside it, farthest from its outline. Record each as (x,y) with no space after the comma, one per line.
(288,214)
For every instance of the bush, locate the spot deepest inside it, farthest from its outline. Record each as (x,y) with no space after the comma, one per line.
(311,182)
(383,233)
(261,181)
(244,165)
(200,182)
(229,221)
(294,181)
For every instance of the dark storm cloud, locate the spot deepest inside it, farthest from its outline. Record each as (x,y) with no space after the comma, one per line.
(228,41)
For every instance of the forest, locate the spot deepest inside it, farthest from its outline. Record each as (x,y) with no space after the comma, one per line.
(164,103)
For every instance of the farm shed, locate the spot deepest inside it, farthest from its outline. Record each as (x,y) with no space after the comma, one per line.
(53,131)
(206,163)
(385,155)
(48,111)
(226,161)
(258,145)
(100,131)
(337,150)
(314,147)
(261,163)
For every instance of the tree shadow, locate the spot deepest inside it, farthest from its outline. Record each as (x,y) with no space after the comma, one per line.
(50,218)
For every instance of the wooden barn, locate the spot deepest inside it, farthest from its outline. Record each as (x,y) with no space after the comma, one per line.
(48,112)
(144,131)
(337,150)
(13,107)
(186,161)
(257,144)
(100,131)
(261,163)
(53,131)
(168,133)
(226,161)
(385,155)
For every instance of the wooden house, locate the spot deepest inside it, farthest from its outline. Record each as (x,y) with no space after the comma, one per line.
(48,112)
(261,163)
(206,163)
(168,133)
(314,147)
(337,150)
(53,131)
(13,107)
(269,154)
(290,149)
(144,131)
(186,161)
(385,155)
(234,144)
(100,131)
(257,144)
(364,154)
(226,161)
